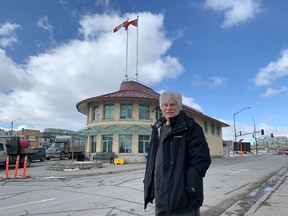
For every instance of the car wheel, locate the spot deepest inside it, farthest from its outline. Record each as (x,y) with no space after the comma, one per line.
(28,163)
(62,156)
(42,158)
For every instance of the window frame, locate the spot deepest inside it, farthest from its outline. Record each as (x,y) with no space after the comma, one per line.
(144,112)
(109,111)
(126,111)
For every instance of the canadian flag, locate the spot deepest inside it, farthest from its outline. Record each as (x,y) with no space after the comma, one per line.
(133,22)
(124,24)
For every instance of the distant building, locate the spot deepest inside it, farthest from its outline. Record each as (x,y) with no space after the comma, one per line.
(275,141)
(121,122)
(32,135)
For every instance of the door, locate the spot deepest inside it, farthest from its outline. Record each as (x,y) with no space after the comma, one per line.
(2,153)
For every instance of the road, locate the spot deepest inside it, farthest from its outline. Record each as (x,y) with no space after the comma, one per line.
(228,181)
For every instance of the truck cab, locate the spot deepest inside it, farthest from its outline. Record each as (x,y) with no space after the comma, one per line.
(58,150)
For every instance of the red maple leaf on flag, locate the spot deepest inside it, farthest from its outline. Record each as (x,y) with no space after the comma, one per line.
(133,22)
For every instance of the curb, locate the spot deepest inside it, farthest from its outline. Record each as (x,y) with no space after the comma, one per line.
(258,204)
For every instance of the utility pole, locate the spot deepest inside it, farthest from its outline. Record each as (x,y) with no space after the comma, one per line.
(255,135)
(12,123)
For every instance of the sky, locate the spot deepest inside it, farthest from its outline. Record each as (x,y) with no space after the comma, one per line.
(222,55)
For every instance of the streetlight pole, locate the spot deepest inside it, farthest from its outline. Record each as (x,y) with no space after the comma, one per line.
(12,123)
(235,134)
(255,135)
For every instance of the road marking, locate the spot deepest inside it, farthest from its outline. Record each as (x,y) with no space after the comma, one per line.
(233,171)
(30,203)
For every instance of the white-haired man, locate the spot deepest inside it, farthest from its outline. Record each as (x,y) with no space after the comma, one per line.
(178,159)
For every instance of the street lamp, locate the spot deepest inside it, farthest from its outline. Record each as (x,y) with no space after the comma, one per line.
(12,123)
(255,135)
(235,134)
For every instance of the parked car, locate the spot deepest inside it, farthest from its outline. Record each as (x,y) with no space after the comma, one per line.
(40,155)
(282,151)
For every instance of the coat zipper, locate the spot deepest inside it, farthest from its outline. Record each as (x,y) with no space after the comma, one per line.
(171,143)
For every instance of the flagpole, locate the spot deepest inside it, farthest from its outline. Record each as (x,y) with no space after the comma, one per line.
(126,75)
(137,49)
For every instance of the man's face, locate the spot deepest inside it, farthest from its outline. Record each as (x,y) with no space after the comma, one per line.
(170,109)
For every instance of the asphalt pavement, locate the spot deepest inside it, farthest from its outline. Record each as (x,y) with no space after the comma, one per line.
(273,202)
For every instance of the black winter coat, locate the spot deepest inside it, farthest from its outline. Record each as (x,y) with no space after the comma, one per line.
(186,159)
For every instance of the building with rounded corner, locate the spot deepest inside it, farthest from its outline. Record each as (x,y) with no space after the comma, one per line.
(121,122)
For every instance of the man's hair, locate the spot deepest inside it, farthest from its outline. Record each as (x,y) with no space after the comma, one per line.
(171,96)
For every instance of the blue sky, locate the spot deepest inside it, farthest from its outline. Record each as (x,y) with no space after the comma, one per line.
(222,55)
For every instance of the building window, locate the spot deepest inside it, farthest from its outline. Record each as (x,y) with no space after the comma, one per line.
(143,142)
(212,129)
(159,113)
(125,145)
(93,143)
(205,127)
(109,111)
(218,130)
(107,142)
(144,112)
(126,111)
(95,114)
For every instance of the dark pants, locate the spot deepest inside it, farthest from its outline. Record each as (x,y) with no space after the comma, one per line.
(160,211)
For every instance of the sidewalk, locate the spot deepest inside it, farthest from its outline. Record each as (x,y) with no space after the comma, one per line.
(274,202)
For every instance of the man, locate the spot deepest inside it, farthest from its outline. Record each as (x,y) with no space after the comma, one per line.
(177,161)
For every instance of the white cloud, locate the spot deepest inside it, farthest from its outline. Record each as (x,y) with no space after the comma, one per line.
(188,101)
(212,82)
(44,91)
(235,11)
(8,35)
(271,91)
(275,70)
(44,23)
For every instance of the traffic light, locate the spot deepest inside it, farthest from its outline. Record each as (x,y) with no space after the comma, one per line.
(262,131)
(272,135)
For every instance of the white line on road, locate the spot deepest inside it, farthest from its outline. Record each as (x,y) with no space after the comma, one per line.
(30,203)
(233,171)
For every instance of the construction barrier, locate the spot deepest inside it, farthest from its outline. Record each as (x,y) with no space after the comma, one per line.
(24,167)
(16,166)
(7,166)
